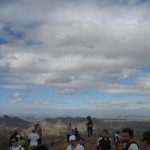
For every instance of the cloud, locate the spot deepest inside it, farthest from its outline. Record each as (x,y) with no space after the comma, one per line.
(69,92)
(137,86)
(18,97)
(45,105)
(98,44)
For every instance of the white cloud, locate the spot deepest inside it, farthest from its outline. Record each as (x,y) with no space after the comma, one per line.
(139,86)
(96,45)
(45,105)
(17,97)
(69,92)
(15,101)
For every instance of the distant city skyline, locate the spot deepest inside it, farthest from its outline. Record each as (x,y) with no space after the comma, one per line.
(75,58)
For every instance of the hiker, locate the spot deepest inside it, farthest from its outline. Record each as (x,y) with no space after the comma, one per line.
(40,147)
(33,140)
(15,145)
(119,145)
(78,136)
(69,131)
(38,130)
(146,139)
(127,137)
(76,133)
(104,142)
(116,136)
(89,125)
(74,144)
(15,134)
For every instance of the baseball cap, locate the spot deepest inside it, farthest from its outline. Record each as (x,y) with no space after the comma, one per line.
(72,138)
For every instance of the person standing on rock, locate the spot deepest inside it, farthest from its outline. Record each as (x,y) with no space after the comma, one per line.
(89,125)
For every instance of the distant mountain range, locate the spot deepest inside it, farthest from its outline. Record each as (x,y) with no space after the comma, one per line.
(13,122)
(57,126)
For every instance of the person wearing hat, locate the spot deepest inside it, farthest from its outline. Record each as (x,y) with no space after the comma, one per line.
(73,144)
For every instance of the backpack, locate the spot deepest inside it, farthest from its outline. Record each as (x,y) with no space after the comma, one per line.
(128,145)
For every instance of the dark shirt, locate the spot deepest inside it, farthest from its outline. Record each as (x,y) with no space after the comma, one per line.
(89,124)
(104,144)
(38,131)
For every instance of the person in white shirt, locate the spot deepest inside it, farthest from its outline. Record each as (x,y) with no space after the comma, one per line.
(73,144)
(117,136)
(15,145)
(69,131)
(33,139)
(127,137)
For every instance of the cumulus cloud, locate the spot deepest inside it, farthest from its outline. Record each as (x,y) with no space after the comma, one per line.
(70,45)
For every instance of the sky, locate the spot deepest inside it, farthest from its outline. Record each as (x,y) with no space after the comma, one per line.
(75,57)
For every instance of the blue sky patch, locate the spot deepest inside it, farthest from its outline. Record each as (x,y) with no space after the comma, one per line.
(3,41)
(11,32)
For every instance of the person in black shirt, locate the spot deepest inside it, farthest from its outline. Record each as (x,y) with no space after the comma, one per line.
(38,130)
(41,147)
(78,136)
(76,133)
(104,142)
(89,125)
